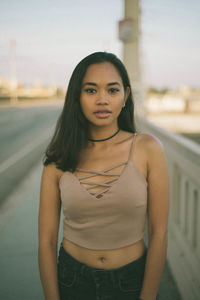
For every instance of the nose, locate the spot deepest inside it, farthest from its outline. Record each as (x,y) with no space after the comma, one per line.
(102,98)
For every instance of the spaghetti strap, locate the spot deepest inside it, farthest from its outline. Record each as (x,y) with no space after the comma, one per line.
(132,146)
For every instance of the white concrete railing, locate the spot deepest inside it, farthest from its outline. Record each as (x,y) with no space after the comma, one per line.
(183,158)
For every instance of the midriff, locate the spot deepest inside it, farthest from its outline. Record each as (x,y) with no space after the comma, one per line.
(105,259)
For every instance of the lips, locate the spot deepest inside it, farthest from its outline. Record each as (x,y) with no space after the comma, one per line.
(102,111)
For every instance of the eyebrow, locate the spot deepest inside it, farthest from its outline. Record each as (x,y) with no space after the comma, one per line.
(92,83)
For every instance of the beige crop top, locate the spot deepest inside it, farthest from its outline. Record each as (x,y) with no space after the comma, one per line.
(112,218)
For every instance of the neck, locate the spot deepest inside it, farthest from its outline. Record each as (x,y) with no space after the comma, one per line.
(103,133)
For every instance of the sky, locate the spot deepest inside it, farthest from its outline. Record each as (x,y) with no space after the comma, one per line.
(51,37)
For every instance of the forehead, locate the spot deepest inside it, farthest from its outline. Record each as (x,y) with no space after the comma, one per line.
(104,71)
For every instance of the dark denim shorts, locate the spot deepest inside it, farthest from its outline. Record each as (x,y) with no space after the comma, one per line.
(78,281)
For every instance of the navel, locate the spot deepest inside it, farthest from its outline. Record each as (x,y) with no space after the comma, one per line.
(102,258)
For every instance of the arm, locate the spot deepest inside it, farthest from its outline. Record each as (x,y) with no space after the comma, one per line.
(157,212)
(48,227)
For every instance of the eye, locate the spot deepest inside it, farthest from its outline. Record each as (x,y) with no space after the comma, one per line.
(113,90)
(90,90)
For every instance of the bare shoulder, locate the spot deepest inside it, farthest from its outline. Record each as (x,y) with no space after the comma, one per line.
(150,143)
(152,149)
(155,156)
(51,172)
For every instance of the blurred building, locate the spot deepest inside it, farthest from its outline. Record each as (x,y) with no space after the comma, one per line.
(34,91)
(184,99)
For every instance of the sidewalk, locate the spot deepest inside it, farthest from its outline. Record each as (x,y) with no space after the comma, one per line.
(19,273)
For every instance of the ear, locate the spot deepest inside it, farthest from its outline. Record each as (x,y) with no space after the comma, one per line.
(127,93)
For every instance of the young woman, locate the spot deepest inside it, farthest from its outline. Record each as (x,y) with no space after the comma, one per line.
(108,178)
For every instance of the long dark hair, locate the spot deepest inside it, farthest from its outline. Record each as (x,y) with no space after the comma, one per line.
(71,132)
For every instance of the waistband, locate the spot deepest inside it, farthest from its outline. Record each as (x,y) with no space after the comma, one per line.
(136,264)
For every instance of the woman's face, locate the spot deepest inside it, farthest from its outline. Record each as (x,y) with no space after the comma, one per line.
(102,89)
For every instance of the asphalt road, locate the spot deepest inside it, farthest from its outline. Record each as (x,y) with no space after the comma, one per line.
(24,134)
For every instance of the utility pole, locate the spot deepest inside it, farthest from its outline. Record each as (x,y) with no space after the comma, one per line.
(129,34)
(13,73)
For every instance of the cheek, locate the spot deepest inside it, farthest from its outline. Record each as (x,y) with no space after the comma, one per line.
(117,103)
(85,105)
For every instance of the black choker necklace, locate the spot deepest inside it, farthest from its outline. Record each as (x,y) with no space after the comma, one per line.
(106,138)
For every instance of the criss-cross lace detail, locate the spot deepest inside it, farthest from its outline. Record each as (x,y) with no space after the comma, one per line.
(108,183)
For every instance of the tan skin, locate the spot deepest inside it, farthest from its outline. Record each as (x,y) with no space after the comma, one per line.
(148,157)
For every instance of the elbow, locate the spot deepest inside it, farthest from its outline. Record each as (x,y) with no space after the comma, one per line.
(44,244)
